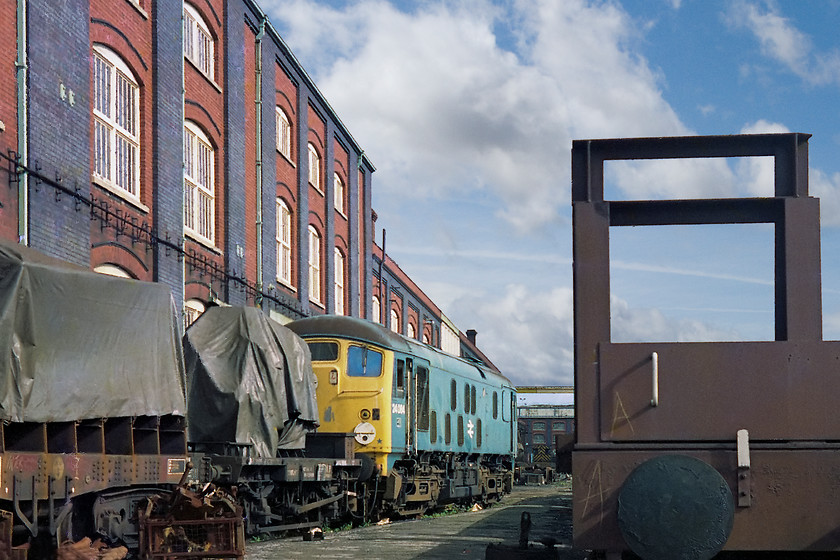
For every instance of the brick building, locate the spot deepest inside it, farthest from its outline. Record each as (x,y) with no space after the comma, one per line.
(539,427)
(181,142)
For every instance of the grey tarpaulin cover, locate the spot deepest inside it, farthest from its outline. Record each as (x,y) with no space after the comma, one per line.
(249,380)
(79,345)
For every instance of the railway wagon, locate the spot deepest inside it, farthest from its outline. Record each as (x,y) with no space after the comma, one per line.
(252,417)
(91,402)
(685,449)
(430,428)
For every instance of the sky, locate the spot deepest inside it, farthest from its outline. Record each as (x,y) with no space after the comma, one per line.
(468,110)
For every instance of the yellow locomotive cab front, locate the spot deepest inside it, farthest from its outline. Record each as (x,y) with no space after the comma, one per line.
(354,388)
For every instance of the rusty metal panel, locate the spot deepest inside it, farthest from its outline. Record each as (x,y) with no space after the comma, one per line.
(795,495)
(710,390)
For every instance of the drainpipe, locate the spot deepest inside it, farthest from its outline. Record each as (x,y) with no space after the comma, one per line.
(258,119)
(22,124)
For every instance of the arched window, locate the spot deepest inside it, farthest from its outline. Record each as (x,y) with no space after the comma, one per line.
(112,270)
(376,312)
(338,193)
(116,116)
(339,282)
(198,41)
(284,243)
(314,265)
(395,321)
(411,332)
(193,308)
(199,189)
(314,166)
(284,133)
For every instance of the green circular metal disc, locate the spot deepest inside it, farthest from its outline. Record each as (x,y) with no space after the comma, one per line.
(675,507)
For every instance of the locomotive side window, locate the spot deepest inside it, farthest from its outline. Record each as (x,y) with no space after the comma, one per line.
(399,379)
(467,398)
(447,429)
(472,399)
(323,351)
(454,396)
(460,430)
(363,362)
(433,426)
(423,398)
(495,405)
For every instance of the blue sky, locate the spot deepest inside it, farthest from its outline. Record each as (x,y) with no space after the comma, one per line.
(468,110)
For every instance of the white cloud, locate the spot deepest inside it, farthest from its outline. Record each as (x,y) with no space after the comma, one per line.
(439,105)
(782,41)
(534,345)
(651,325)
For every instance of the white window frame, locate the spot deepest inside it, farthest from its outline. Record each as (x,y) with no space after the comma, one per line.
(199,185)
(116,116)
(193,308)
(284,133)
(395,320)
(376,310)
(112,270)
(338,193)
(339,282)
(314,265)
(283,237)
(314,166)
(199,46)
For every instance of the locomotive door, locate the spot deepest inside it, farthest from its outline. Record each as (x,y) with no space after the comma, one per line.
(418,400)
(409,423)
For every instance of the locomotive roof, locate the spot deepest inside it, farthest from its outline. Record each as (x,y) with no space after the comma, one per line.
(374,333)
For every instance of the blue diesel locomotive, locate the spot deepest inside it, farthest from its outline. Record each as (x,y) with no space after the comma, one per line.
(430,428)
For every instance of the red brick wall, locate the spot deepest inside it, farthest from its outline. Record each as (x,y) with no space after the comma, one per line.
(205,106)
(286,97)
(128,32)
(8,115)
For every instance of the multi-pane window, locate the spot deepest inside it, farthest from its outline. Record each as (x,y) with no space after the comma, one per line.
(339,283)
(116,116)
(376,310)
(314,265)
(198,42)
(193,308)
(314,166)
(284,243)
(338,193)
(199,190)
(395,321)
(284,133)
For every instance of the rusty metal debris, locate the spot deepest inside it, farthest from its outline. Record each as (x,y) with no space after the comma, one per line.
(86,549)
(189,524)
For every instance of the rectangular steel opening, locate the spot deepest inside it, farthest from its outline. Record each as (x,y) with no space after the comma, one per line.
(673,283)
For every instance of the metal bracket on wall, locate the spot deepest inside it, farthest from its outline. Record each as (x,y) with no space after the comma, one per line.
(744,498)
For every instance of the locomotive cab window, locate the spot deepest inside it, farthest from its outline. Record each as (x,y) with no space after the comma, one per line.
(323,351)
(363,362)
(399,379)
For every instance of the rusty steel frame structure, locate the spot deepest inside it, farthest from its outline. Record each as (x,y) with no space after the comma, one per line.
(763,414)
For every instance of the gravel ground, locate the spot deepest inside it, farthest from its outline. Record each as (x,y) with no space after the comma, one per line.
(463,535)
